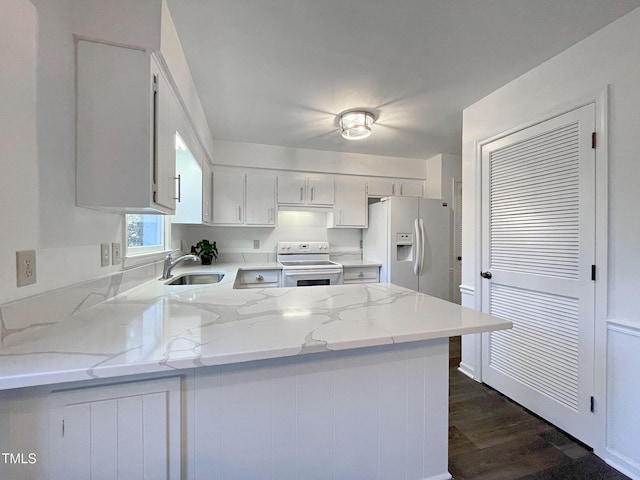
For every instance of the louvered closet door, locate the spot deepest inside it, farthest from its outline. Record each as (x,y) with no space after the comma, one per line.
(538,208)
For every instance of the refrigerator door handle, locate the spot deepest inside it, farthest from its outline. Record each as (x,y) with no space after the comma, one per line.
(422,237)
(417,248)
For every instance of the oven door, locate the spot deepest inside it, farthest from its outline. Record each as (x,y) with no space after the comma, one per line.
(311,277)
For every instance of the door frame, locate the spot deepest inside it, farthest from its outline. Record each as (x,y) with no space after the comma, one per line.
(600,101)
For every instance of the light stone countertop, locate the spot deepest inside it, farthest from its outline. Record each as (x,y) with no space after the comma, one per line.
(155,327)
(358,263)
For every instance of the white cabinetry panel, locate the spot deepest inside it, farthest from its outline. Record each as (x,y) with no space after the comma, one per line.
(260,199)
(320,190)
(380,187)
(409,188)
(300,190)
(126,431)
(125,133)
(350,209)
(228,197)
(326,416)
(292,189)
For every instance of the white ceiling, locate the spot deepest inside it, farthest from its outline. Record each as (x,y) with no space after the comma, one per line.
(279,71)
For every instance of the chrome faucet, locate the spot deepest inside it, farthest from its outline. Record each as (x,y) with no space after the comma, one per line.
(169,263)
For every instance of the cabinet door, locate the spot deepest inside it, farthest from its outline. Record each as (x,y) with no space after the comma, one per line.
(122,431)
(228,198)
(164,171)
(260,199)
(189,206)
(380,188)
(321,191)
(207,192)
(350,209)
(409,188)
(291,189)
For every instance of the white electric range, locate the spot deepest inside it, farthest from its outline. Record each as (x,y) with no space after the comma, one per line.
(306,264)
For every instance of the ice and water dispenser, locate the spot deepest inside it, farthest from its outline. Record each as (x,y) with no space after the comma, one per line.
(404,247)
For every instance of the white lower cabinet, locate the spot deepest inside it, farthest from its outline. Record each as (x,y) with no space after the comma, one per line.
(325,415)
(124,431)
(361,274)
(257,278)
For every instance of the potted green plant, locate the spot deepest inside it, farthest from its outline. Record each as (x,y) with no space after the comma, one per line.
(206,250)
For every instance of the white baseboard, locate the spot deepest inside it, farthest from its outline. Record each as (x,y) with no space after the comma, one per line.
(623,464)
(442,476)
(467,370)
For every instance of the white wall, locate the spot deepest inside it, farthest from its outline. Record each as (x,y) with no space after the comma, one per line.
(611,56)
(37,186)
(286,158)
(37,133)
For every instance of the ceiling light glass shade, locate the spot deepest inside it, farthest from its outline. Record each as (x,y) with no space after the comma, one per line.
(356,125)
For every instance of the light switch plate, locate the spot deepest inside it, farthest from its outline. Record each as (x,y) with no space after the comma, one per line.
(116,257)
(104,254)
(26,267)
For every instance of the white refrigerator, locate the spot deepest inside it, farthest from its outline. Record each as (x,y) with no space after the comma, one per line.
(411,238)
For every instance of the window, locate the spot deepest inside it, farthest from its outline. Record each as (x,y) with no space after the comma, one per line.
(145,233)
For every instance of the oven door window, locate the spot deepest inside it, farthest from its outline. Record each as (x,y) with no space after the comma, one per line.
(309,278)
(311,283)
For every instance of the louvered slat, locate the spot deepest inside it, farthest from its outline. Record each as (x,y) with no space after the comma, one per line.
(541,351)
(534,194)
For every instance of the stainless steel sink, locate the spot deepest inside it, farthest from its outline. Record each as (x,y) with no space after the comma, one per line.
(197,278)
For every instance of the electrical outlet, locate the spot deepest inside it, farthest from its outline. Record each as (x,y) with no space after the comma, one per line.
(104,254)
(256,244)
(115,253)
(26,267)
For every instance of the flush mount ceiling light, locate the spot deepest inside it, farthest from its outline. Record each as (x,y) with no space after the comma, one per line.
(356,125)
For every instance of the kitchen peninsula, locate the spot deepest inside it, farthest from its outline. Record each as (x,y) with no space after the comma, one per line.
(345,381)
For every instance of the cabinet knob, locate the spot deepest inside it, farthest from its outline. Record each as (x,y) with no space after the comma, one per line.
(360,274)
(486,275)
(259,278)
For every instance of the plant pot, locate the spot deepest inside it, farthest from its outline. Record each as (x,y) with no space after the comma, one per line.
(206,259)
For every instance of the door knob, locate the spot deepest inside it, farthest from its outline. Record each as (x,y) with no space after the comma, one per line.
(485,274)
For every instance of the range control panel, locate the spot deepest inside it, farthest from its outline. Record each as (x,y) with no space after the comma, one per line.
(302,247)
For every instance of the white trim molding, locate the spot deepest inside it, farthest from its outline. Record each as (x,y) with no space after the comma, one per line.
(623,395)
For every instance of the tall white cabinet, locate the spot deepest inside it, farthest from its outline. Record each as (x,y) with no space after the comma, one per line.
(260,199)
(350,208)
(125,131)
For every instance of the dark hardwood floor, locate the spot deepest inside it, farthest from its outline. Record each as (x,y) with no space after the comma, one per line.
(493,438)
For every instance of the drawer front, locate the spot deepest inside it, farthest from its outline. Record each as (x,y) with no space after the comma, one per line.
(361,274)
(257,278)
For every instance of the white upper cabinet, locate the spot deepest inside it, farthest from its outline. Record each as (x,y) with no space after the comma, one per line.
(302,190)
(260,199)
(125,132)
(409,188)
(387,187)
(207,194)
(320,190)
(228,197)
(350,208)
(377,187)
(292,189)
(190,185)
(244,198)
